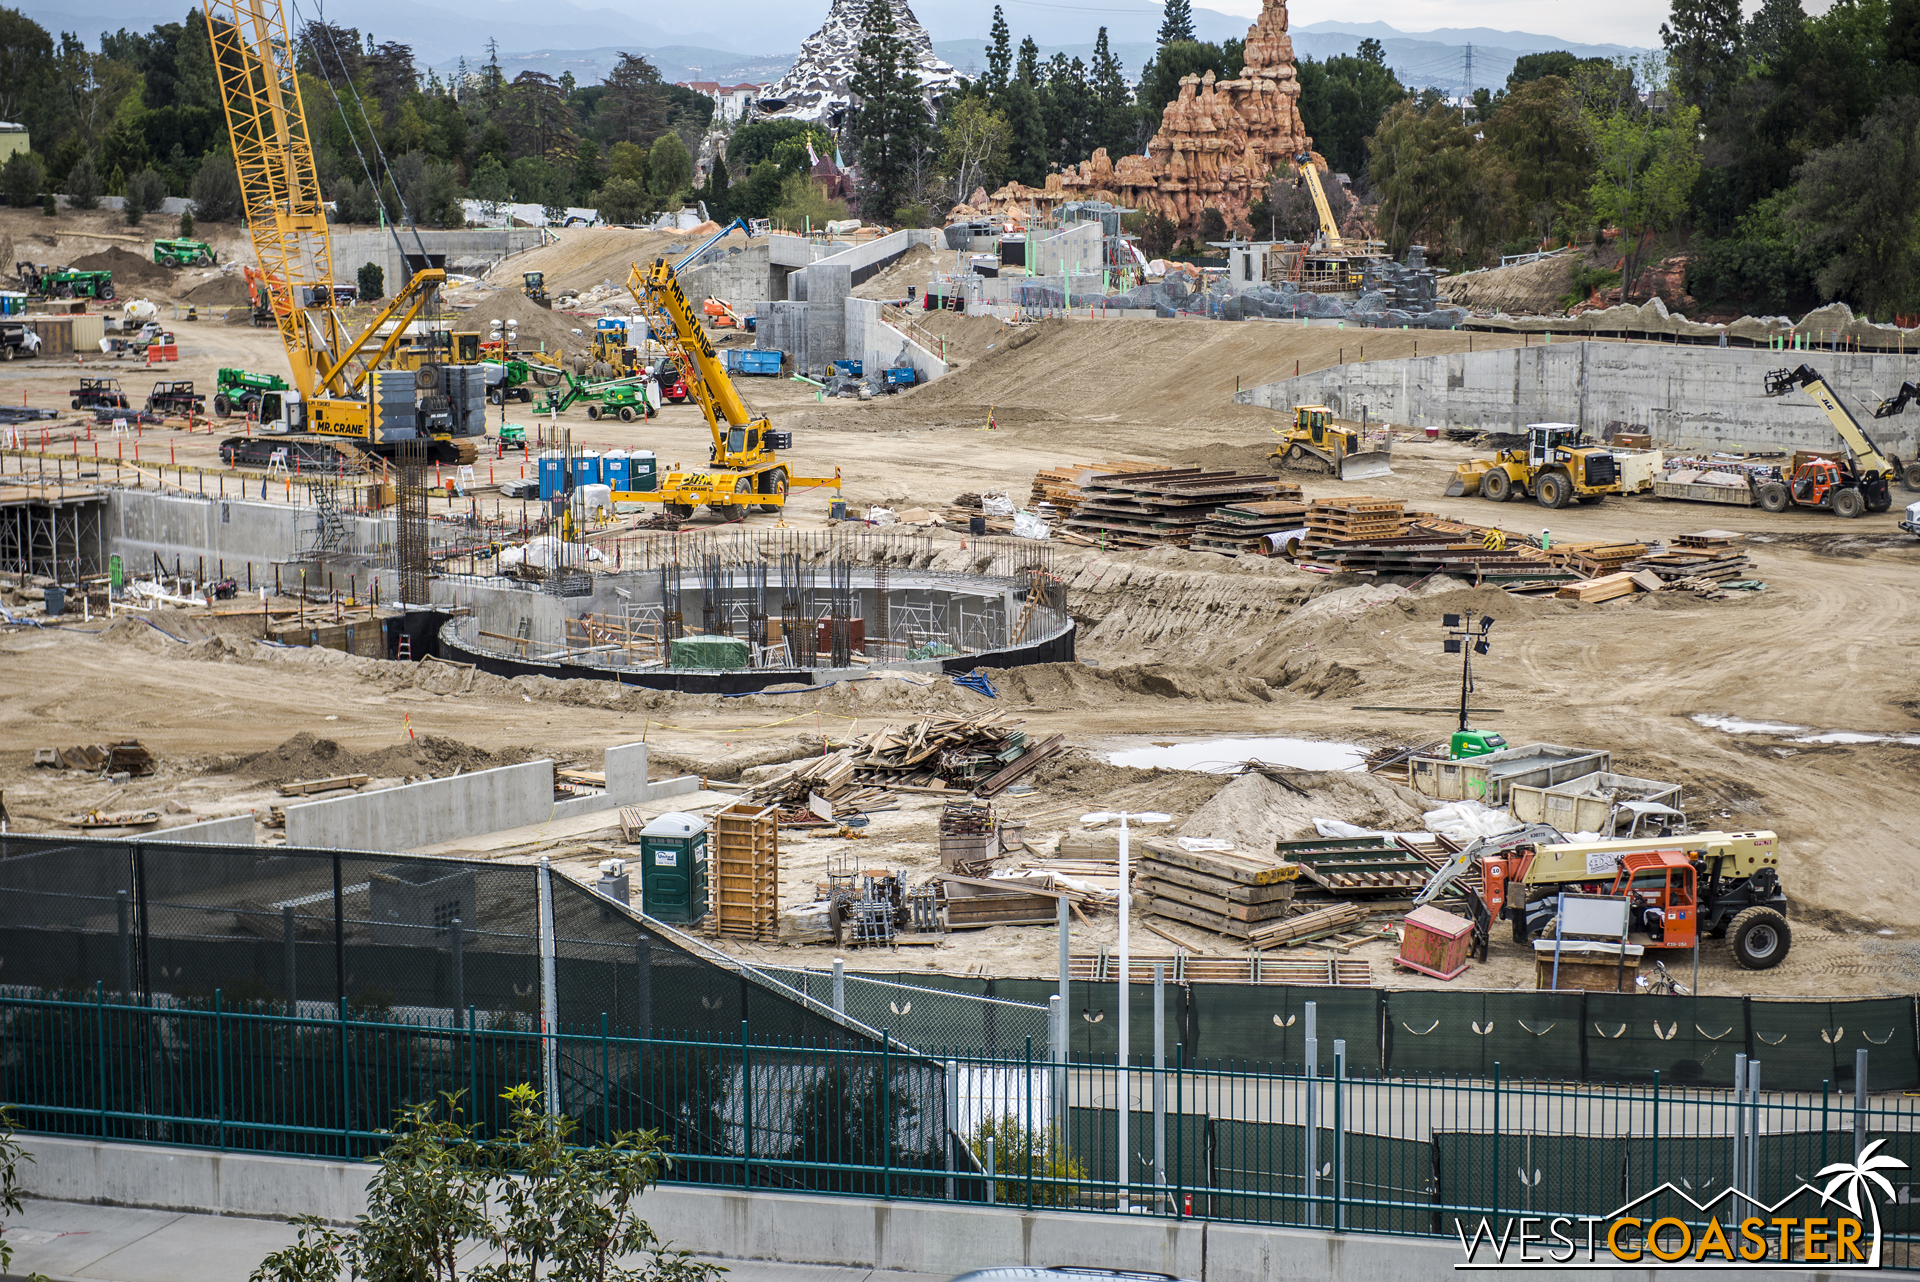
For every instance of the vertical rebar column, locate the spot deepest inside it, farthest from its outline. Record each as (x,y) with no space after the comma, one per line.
(840,611)
(757,607)
(880,635)
(413,556)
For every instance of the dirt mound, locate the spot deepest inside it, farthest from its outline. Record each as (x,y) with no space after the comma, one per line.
(539,327)
(306,756)
(1528,289)
(1076,781)
(130,271)
(584,257)
(1075,685)
(912,268)
(1254,811)
(221,291)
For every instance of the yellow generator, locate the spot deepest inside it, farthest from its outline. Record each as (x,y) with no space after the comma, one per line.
(1556,465)
(1314,438)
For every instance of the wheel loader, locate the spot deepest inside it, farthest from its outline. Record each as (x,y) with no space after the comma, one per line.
(1315,438)
(1558,464)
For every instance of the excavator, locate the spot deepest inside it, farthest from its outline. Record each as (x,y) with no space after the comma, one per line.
(1860,481)
(744,468)
(340,390)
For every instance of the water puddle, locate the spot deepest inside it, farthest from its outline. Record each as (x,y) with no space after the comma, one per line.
(1220,756)
(1799,734)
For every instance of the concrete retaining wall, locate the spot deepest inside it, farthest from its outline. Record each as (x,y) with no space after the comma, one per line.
(917,1237)
(1688,397)
(436,810)
(471,248)
(231,534)
(234,830)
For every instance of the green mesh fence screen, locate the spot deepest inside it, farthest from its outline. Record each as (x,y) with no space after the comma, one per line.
(1801,1044)
(1445,1034)
(1530,1174)
(1689,1040)
(1093,1133)
(1266,1025)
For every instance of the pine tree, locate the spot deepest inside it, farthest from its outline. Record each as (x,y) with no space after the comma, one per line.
(999,57)
(1178,22)
(1770,26)
(1028,70)
(1704,42)
(1113,101)
(889,127)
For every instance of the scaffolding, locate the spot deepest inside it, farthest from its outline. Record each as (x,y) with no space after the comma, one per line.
(412,548)
(52,531)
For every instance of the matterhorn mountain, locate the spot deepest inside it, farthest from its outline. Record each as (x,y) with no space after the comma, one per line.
(816,86)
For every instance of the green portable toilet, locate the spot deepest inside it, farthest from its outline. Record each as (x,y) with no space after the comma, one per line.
(673,868)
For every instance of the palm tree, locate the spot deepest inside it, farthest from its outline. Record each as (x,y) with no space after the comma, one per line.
(1855,1177)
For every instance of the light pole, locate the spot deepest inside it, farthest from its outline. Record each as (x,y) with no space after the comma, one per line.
(1125,1103)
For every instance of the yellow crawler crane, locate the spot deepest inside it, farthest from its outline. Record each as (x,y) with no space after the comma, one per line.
(339,390)
(744,468)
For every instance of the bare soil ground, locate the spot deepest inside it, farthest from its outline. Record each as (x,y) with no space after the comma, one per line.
(1175,646)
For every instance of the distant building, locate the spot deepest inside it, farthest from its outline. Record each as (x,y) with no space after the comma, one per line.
(13,138)
(729,101)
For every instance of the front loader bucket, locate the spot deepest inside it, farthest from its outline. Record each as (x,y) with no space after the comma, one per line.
(1366,466)
(1466,481)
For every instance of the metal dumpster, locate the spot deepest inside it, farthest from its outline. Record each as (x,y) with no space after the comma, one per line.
(1490,778)
(1584,804)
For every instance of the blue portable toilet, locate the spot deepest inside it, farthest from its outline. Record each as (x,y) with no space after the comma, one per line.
(553,475)
(615,470)
(586,468)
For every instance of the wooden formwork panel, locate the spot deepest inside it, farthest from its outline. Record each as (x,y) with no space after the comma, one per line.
(746,871)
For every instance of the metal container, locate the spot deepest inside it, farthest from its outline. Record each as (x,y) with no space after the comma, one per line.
(1587,804)
(1491,778)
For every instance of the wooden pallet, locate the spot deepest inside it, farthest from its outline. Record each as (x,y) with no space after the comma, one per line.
(746,871)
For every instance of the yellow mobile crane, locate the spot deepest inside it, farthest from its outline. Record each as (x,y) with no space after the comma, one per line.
(745,468)
(339,391)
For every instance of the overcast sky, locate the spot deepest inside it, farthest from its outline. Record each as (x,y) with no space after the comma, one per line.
(1627,22)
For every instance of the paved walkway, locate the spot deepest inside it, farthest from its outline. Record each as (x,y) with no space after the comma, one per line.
(82,1242)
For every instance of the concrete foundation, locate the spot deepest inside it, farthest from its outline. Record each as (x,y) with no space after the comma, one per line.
(870,339)
(939,1238)
(234,830)
(471,250)
(437,810)
(1686,397)
(230,536)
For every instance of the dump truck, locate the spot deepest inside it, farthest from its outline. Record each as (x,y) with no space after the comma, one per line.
(236,391)
(1722,884)
(1314,438)
(1559,463)
(183,253)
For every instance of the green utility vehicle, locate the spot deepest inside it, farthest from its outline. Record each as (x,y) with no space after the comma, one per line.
(235,391)
(183,253)
(43,281)
(624,401)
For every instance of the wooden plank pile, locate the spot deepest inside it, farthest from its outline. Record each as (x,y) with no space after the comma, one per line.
(1061,485)
(1721,564)
(1243,527)
(1159,509)
(1354,519)
(1321,923)
(1372,868)
(1226,893)
(1596,559)
(1187,968)
(1604,588)
(980,754)
(973,902)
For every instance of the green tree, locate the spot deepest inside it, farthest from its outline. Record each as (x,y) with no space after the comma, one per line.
(1856,206)
(1027,144)
(186,223)
(530,178)
(669,168)
(1761,264)
(215,190)
(803,204)
(1703,42)
(1176,23)
(973,146)
(1437,184)
(12,1153)
(84,187)
(22,178)
(1114,101)
(50,205)
(1160,79)
(1645,164)
(1538,133)
(26,57)
(627,161)
(1342,102)
(587,175)
(1770,26)
(373,282)
(490,187)
(146,193)
(1027,69)
(888,124)
(623,200)
(999,57)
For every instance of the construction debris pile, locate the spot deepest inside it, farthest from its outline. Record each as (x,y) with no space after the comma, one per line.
(1166,508)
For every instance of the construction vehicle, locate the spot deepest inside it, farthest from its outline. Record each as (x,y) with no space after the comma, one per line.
(237,391)
(609,353)
(720,314)
(340,389)
(1330,241)
(534,286)
(1912,524)
(1860,481)
(1558,464)
(745,469)
(624,401)
(99,393)
(176,397)
(183,253)
(1341,451)
(606,399)
(1733,878)
(17,338)
(42,281)
(672,383)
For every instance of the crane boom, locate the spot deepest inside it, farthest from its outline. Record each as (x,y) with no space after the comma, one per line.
(657,292)
(1310,174)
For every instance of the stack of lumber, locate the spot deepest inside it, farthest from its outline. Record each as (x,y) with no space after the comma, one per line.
(1604,588)
(1422,552)
(1243,527)
(1596,559)
(1089,885)
(981,754)
(1707,540)
(1372,868)
(1185,968)
(1335,919)
(746,871)
(1060,485)
(1158,509)
(1226,893)
(1721,564)
(816,791)
(1354,519)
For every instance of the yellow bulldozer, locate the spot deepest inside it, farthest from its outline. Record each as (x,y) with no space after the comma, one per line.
(1557,465)
(1314,438)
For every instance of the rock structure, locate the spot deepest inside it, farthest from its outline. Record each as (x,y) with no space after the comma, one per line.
(815,87)
(1217,146)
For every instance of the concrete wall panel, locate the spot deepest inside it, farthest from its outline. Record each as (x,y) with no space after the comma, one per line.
(234,830)
(426,813)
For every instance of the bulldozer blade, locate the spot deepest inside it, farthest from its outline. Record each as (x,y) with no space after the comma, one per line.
(1364,467)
